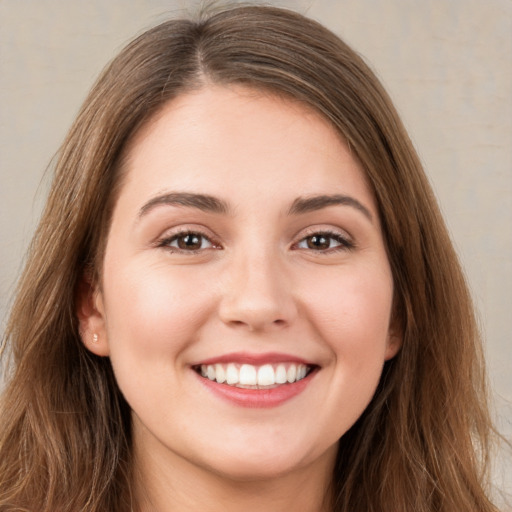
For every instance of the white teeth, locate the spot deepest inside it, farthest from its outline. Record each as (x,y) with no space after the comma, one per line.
(281,374)
(232,375)
(266,375)
(250,376)
(220,374)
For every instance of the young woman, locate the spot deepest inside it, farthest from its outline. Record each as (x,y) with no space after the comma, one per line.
(242,295)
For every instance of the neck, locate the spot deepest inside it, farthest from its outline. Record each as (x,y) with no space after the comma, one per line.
(170,483)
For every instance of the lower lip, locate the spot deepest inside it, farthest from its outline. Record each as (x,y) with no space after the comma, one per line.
(257,398)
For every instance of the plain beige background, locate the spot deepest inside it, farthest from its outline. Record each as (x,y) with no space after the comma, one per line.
(446,63)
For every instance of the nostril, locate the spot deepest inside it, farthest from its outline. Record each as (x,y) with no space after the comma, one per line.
(256,310)
(255,325)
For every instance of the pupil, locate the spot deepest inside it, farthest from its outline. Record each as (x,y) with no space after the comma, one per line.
(318,242)
(189,242)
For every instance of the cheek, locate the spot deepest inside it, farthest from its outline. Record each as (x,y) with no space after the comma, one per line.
(353,299)
(155,309)
(348,311)
(351,312)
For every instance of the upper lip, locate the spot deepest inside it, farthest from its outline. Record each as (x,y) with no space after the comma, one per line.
(254,359)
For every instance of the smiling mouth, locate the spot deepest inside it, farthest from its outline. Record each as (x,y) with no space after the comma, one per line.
(248,376)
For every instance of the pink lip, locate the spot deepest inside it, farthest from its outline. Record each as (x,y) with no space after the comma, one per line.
(255,398)
(254,359)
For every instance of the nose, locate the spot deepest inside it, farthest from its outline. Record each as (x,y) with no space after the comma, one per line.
(257,294)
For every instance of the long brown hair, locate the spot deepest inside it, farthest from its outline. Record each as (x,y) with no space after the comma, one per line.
(65,435)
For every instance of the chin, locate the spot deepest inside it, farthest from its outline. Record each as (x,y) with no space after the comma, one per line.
(266,464)
(256,471)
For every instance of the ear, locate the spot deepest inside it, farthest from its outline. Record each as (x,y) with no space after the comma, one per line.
(394,342)
(91,317)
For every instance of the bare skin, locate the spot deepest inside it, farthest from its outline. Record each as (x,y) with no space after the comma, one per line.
(192,489)
(244,232)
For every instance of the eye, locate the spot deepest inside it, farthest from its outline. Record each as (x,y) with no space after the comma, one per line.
(187,241)
(324,241)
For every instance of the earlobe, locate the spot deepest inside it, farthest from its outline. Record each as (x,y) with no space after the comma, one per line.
(394,343)
(91,317)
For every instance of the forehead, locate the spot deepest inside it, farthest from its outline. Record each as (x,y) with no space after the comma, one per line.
(237,142)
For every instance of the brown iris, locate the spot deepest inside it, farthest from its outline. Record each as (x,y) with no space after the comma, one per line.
(318,242)
(190,241)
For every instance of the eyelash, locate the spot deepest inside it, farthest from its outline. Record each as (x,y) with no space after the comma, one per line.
(167,241)
(344,243)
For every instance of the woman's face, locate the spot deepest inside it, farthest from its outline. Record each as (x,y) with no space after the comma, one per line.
(246,294)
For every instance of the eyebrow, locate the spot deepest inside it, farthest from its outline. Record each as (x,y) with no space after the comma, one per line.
(202,202)
(313,203)
(213,204)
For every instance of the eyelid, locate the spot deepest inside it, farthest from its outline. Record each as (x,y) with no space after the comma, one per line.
(169,235)
(345,240)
